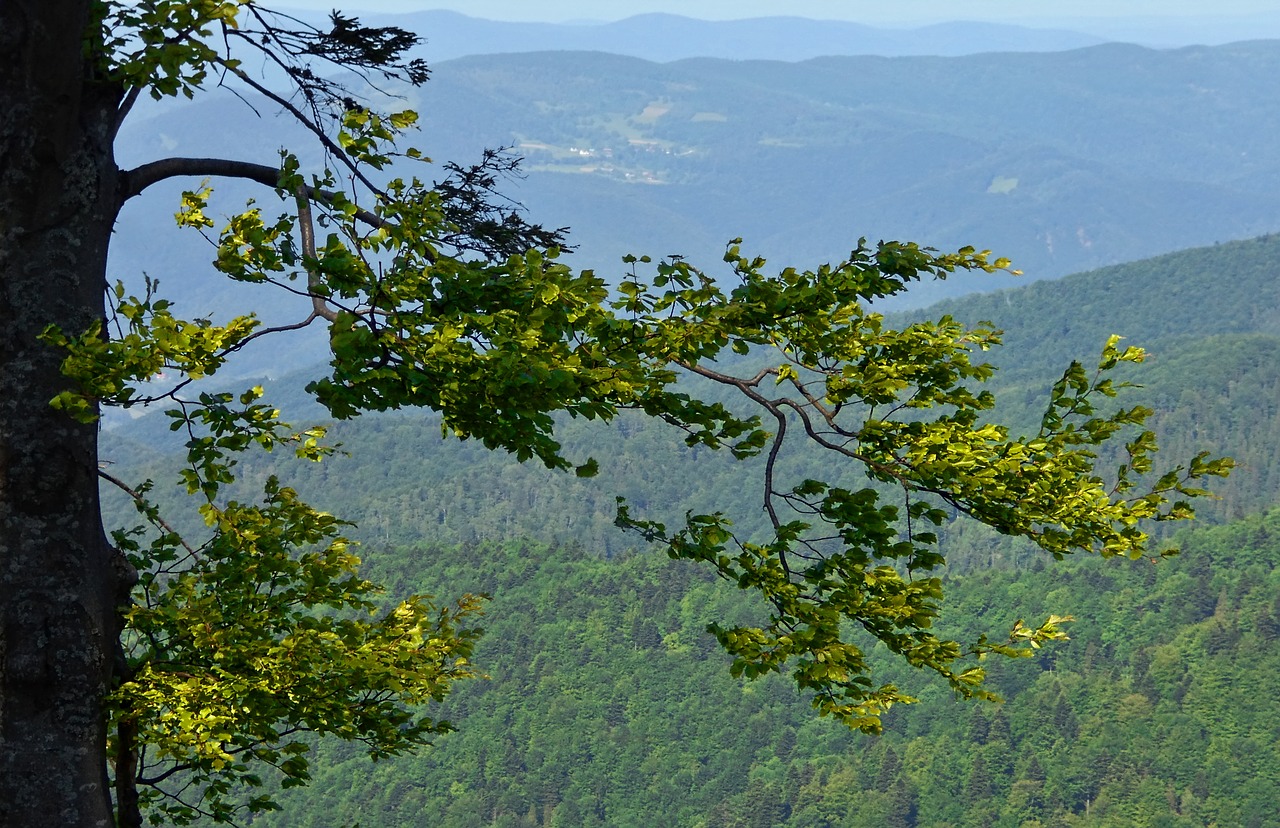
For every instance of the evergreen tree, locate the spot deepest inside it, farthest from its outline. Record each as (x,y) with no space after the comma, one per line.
(890,767)
(979,787)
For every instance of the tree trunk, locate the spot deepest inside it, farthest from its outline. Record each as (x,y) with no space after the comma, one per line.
(59,583)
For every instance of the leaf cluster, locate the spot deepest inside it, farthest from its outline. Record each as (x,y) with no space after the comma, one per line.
(236,649)
(898,403)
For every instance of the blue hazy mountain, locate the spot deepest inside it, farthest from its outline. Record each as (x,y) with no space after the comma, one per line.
(666,37)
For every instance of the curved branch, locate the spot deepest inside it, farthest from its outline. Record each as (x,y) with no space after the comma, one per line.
(134,181)
(152,781)
(768,480)
(892,470)
(748,389)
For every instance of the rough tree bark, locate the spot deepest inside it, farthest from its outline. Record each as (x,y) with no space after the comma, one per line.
(59,582)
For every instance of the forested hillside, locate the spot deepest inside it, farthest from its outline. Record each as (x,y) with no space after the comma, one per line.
(609,705)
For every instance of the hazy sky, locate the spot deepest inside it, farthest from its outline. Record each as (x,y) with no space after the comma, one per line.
(867,11)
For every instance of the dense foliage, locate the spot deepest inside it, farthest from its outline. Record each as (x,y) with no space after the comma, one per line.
(1211,383)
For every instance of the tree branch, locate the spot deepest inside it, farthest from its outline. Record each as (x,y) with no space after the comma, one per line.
(134,181)
(306,229)
(122,486)
(126,106)
(328,143)
(770,463)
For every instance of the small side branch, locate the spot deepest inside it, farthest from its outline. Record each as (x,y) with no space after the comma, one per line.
(159,521)
(231,349)
(310,123)
(306,230)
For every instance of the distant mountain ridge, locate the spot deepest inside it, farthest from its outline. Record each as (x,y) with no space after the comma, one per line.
(668,37)
(1061,161)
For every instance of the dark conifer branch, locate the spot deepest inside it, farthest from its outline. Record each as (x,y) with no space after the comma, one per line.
(348,45)
(486,221)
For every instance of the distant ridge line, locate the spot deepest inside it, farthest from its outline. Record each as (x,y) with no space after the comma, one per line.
(665,37)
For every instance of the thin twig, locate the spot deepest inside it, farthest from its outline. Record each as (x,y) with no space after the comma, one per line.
(309,123)
(159,521)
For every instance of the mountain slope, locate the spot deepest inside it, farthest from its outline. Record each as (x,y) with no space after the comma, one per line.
(608,706)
